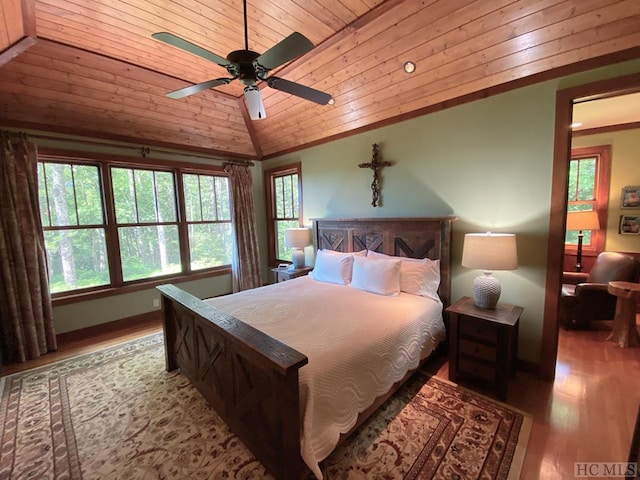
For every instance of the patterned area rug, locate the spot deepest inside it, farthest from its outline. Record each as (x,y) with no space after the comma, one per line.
(117,414)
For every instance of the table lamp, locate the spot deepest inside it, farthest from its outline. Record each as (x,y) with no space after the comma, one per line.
(582,220)
(297,238)
(489,252)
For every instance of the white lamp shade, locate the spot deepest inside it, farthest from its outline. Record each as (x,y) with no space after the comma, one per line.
(254,103)
(490,251)
(584,220)
(297,237)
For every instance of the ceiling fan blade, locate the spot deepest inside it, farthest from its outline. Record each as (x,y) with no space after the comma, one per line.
(187,46)
(185,92)
(291,47)
(298,90)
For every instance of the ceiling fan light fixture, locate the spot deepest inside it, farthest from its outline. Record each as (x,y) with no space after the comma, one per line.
(331,101)
(254,103)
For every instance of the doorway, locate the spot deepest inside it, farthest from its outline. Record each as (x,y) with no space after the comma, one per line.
(565,100)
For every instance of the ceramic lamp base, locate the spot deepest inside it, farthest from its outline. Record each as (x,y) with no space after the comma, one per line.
(486,291)
(298,258)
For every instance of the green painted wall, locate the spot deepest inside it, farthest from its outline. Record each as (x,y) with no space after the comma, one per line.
(108,309)
(625,158)
(489,162)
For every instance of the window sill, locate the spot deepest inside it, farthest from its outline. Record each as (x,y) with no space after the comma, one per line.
(587,251)
(66,299)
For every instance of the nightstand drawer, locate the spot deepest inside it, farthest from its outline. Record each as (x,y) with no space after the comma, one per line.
(477,369)
(479,329)
(477,350)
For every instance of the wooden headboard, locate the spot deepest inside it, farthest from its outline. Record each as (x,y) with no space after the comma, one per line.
(419,237)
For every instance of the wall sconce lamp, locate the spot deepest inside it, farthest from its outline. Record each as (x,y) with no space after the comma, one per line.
(489,252)
(582,220)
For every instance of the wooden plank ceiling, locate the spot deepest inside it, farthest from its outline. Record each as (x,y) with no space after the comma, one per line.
(95,70)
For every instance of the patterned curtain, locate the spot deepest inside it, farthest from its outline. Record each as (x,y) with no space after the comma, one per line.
(26,317)
(245,265)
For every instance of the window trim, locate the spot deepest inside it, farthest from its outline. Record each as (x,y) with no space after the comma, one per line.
(269,176)
(104,162)
(601,204)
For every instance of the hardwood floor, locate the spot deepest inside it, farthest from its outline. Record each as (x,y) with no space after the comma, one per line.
(589,412)
(71,345)
(586,415)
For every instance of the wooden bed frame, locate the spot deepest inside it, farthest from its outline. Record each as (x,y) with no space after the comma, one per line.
(251,379)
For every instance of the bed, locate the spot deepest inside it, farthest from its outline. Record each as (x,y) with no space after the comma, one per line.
(266,390)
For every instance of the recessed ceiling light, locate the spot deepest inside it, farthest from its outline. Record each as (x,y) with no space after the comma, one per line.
(576,125)
(409,67)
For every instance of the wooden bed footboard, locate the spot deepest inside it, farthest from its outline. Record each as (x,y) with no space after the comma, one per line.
(249,378)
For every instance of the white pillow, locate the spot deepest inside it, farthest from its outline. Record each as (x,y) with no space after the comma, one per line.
(332,268)
(380,276)
(417,276)
(361,253)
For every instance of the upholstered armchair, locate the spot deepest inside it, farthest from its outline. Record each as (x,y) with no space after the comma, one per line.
(585,296)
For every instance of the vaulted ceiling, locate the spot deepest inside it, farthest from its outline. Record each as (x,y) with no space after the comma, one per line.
(91,67)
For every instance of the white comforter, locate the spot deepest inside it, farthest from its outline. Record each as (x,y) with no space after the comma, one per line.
(358,344)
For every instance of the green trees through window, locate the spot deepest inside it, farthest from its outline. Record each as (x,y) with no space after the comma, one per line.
(284,208)
(588,189)
(147,222)
(140,233)
(582,192)
(208,216)
(72,214)
(287,210)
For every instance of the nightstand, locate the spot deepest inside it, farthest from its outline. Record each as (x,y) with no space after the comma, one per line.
(282,274)
(483,344)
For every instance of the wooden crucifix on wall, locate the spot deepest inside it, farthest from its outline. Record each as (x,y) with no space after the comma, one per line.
(376,185)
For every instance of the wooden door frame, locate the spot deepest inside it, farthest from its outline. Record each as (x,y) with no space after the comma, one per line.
(557,215)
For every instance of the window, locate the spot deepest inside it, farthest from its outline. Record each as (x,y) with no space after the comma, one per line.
(109,224)
(208,216)
(284,208)
(589,190)
(72,213)
(147,222)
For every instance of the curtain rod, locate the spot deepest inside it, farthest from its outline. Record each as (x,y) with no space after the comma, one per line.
(243,163)
(144,151)
(13,136)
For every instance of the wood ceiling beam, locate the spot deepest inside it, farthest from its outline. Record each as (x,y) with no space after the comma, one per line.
(17,28)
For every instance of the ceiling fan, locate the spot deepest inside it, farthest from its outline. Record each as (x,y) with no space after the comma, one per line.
(250,67)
